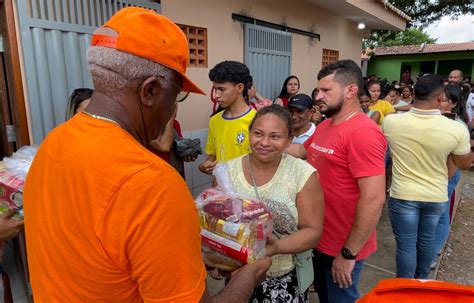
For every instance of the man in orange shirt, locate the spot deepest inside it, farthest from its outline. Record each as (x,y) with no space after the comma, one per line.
(106,220)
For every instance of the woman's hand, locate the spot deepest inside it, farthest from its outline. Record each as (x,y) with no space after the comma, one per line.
(271,248)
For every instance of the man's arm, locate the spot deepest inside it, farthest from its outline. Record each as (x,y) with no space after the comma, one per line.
(462,161)
(241,285)
(462,155)
(297,151)
(368,211)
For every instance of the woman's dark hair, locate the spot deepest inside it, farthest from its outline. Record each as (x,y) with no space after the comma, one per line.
(230,71)
(76,98)
(284,91)
(453,93)
(397,90)
(314,92)
(281,112)
(373,82)
(248,86)
(364,92)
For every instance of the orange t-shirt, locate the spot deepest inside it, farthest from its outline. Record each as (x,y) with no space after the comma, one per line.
(108,221)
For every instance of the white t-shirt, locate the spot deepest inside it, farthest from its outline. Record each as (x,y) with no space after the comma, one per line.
(470,105)
(303,137)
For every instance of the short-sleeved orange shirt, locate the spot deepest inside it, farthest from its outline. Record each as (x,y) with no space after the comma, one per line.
(108,221)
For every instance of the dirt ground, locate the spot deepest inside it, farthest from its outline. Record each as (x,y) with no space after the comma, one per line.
(457,263)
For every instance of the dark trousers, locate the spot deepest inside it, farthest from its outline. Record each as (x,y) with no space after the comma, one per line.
(328,291)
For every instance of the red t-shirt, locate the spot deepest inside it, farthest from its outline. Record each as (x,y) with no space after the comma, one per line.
(342,153)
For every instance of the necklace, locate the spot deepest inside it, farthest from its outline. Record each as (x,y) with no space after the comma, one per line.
(351,115)
(253,178)
(101,118)
(348,117)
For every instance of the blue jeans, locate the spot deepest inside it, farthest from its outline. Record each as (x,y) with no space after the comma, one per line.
(442,230)
(414,226)
(328,291)
(388,159)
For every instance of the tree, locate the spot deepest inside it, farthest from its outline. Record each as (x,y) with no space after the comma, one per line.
(423,13)
(410,36)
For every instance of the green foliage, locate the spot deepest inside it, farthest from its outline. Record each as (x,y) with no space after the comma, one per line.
(410,36)
(423,13)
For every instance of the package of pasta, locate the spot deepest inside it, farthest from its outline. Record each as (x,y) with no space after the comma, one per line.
(234,228)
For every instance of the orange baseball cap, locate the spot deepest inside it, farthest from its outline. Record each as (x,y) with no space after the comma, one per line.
(146,34)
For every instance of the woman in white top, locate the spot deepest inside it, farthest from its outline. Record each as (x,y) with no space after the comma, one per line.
(399,105)
(290,188)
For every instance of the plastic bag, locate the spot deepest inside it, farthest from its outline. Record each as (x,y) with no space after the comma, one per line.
(12,177)
(188,147)
(234,228)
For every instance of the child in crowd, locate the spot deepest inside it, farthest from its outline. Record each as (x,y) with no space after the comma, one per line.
(406,94)
(364,100)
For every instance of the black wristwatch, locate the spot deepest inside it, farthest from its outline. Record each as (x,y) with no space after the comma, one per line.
(347,254)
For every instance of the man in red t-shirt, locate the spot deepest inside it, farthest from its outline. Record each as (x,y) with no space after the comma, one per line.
(348,151)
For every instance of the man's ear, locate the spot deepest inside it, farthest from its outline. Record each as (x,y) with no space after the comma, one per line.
(148,91)
(440,98)
(240,87)
(351,91)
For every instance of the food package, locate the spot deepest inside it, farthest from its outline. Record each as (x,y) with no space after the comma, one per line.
(11,196)
(13,171)
(234,228)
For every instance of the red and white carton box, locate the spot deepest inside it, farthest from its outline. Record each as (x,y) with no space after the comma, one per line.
(11,194)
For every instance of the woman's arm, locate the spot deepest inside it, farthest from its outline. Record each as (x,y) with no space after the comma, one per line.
(403,108)
(278,101)
(376,117)
(310,205)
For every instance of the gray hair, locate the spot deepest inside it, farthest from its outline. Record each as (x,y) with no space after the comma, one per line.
(112,70)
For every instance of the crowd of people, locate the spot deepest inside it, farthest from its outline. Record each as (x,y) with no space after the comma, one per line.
(124,226)
(353,162)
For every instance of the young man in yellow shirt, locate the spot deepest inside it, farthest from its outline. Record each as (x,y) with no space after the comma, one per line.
(228,136)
